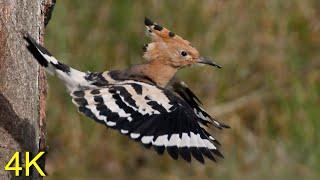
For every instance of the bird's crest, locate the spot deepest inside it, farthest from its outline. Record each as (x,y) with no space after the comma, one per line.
(168,46)
(160,33)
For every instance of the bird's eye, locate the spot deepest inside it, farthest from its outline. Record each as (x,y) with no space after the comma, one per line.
(183,53)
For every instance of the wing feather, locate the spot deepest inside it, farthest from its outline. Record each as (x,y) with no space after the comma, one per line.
(185,93)
(149,114)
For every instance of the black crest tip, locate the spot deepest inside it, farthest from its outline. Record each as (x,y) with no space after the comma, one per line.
(148,22)
(171,34)
(158,27)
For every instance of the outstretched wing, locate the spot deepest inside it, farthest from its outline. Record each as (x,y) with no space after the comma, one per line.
(149,114)
(184,92)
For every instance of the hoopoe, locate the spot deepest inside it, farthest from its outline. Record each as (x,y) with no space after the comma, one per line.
(144,102)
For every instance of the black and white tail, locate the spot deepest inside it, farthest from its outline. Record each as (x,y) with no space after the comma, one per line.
(72,78)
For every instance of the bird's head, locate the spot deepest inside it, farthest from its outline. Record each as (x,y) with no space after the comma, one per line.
(170,48)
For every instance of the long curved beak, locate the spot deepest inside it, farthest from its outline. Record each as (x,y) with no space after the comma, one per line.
(208,61)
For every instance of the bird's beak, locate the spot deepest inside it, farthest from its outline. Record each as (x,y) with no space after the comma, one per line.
(208,61)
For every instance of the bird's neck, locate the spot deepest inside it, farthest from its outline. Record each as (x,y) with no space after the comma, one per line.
(159,72)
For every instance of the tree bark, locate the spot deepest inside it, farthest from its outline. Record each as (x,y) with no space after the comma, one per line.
(22,82)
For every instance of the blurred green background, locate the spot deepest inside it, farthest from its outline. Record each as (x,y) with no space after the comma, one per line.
(267,91)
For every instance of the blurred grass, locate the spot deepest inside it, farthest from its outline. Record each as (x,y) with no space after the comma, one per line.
(269,47)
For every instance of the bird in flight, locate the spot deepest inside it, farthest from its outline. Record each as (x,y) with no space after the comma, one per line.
(144,102)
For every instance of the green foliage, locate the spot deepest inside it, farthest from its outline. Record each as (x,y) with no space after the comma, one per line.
(270,47)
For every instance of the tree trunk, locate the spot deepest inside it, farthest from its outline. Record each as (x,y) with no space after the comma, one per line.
(22,82)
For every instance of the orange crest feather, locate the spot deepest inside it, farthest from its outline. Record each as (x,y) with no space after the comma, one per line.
(160,33)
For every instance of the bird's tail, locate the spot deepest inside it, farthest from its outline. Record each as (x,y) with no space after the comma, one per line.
(71,77)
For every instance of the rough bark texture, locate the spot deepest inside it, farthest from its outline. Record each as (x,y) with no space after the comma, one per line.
(22,82)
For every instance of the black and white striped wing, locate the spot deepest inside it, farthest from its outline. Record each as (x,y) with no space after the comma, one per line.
(147,113)
(184,92)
